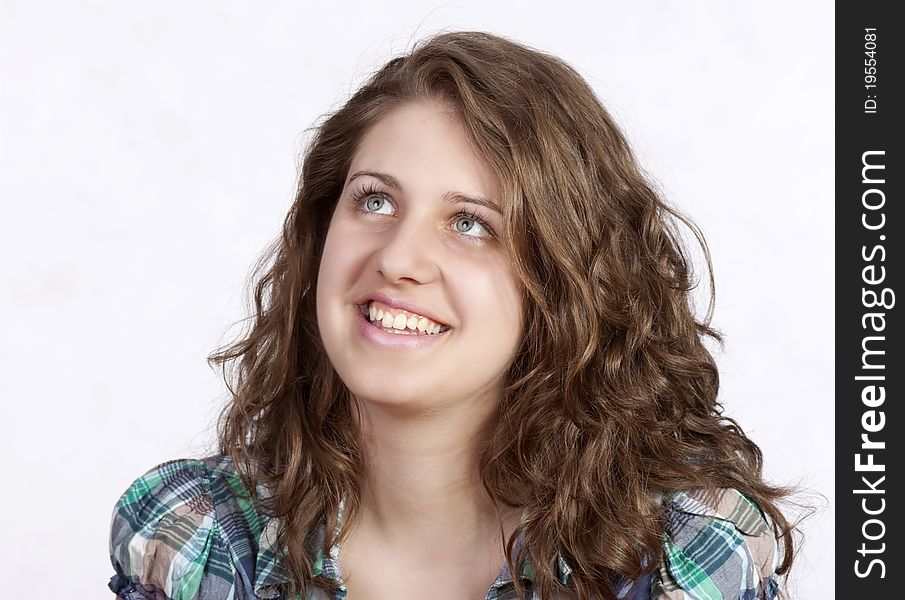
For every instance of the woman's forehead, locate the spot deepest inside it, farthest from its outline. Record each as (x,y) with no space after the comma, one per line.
(422,144)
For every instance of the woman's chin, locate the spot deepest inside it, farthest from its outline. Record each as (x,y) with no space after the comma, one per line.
(395,399)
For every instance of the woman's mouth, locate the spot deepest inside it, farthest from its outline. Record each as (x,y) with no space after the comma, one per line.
(400,322)
(404,330)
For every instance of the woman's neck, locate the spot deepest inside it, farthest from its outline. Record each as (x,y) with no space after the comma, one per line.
(422,484)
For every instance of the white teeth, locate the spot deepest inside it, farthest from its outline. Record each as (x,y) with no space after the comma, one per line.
(402,322)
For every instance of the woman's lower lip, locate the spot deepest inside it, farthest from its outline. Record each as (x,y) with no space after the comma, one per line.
(379,337)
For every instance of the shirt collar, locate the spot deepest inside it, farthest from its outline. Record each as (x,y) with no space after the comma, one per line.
(271,573)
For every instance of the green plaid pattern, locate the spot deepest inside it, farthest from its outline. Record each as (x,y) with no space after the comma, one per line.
(186,530)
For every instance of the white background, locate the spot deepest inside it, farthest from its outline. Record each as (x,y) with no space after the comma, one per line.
(148,153)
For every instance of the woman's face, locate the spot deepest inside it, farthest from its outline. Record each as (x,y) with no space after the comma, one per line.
(406,241)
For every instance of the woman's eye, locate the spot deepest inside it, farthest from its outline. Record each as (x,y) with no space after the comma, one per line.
(375,202)
(467,225)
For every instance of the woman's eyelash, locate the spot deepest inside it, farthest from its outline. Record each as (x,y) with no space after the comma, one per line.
(362,193)
(369,190)
(470,214)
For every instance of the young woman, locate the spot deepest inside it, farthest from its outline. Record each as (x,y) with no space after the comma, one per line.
(474,371)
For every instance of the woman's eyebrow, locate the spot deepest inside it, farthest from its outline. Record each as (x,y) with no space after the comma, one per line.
(451,196)
(386,178)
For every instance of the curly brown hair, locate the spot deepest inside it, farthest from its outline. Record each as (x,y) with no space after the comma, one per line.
(611,399)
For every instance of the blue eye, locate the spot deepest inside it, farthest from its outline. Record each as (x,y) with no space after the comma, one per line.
(369,200)
(374,202)
(475,221)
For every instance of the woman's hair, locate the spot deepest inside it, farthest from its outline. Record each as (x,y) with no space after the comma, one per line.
(611,399)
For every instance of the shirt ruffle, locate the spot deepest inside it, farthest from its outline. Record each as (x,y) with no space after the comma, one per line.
(167,537)
(718,545)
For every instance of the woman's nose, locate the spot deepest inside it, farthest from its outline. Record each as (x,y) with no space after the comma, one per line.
(407,251)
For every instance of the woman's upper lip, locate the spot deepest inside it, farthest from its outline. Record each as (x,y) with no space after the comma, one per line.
(400,304)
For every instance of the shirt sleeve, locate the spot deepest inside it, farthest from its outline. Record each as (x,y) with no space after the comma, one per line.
(718,545)
(162,532)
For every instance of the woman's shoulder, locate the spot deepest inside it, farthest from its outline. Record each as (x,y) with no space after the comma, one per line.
(186,528)
(717,544)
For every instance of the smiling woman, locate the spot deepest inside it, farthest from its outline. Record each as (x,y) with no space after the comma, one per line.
(409,239)
(474,371)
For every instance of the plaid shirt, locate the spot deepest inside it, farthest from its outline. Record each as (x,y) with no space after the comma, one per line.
(184,531)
